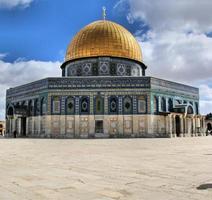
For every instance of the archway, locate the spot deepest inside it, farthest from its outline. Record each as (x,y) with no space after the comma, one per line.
(170,105)
(155,104)
(163,104)
(10,111)
(177,123)
(1,129)
(99,126)
(23,126)
(190,110)
(9,119)
(209,128)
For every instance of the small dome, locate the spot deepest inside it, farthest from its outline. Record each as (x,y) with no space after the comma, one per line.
(104,38)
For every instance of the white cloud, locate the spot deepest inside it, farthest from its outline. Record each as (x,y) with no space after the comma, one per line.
(21,72)
(205,98)
(206,91)
(174,15)
(178,56)
(176,47)
(205,106)
(120,3)
(15,3)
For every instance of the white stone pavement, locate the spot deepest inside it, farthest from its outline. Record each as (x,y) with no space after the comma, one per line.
(104,169)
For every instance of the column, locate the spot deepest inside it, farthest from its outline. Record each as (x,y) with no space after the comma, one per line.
(174,126)
(39,125)
(27,126)
(76,126)
(91,107)
(48,125)
(148,104)
(182,134)
(92,125)
(170,126)
(62,124)
(185,126)
(77,119)
(204,127)
(167,104)
(121,124)
(63,105)
(106,104)
(120,105)
(159,103)
(194,126)
(134,105)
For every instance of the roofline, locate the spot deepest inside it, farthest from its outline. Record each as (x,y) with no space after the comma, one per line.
(82,58)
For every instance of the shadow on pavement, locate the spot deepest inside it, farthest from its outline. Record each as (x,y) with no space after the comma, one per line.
(205,186)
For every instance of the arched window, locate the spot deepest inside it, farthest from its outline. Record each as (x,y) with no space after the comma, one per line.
(190,110)
(127,105)
(163,104)
(113,105)
(43,106)
(135,71)
(36,107)
(30,108)
(55,105)
(99,105)
(70,105)
(197,108)
(84,105)
(10,111)
(155,104)
(170,105)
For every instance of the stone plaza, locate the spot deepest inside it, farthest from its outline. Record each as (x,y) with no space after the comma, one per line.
(106,169)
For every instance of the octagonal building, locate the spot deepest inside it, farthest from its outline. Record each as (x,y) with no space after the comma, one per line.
(103,92)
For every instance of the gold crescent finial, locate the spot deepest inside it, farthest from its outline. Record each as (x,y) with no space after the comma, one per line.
(104,12)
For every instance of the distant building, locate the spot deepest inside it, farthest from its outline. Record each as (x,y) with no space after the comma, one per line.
(2,128)
(104,92)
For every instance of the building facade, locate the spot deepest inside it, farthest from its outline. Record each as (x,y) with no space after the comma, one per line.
(103,92)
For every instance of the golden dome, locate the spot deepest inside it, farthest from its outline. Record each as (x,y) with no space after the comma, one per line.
(104,38)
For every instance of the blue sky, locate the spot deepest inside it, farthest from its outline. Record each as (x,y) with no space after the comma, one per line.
(43,30)
(175,38)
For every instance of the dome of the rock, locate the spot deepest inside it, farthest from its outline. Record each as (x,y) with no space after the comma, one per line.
(104,38)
